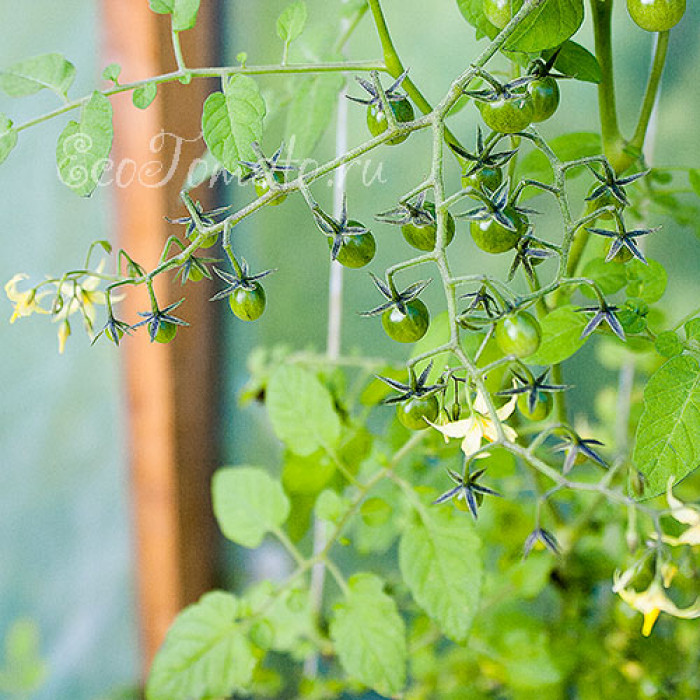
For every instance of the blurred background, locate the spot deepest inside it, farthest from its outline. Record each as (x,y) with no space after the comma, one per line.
(66,517)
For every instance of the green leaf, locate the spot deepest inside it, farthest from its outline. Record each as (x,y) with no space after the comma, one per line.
(576,61)
(668,434)
(8,137)
(301,410)
(369,635)
(694,177)
(310,112)
(291,23)
(646,282)
(184,12)
(610,276)
(567,147)
(547,27)
(441,564)
(668,344)
(83,147)
(205,653)
(692,329)
(561,336)
(144,95)
(112,72)
(248,503)
(473,12)
(50,70)
(232,120)
(307,474)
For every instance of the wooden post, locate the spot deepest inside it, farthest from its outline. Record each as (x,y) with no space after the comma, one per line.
(171,390)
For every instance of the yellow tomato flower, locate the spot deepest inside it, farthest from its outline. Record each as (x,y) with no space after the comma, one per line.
(26,303)
(683,514)
(81,297)
(63,333)
(650,602)
(479,425)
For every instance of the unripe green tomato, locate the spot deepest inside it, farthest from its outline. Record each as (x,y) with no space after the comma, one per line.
(656,15)
(461,502)
(356,250)
(488,177)
(622,256)
(377,123)
(543,406)
(166,331)
(492,237)
(424,237)
(408,327)
(262,187)
(607,199)
(507,116)
(544,93)
(414,412)
(518,334)
(248,304)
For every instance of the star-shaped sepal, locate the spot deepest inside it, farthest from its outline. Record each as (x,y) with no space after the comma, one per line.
(497,206)
(339,230)
(406,213)
(575,446)
(157,317)
(623,240)
(532,387)
(468,490)
(394,297)
(612,185)
(256,169)
(208,218)
(603,312)
(417,387)
(242,280)
(393,94)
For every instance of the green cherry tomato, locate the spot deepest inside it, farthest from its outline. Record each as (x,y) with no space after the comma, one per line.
(656,15)
(261,187)
(492,237)
(408,327)
(166,331)
(376,119)
(488,177)
(507,115)
(248,304)
(622,256)
(424,237)
(500,12)
(544,93)
(356,250)
(518,334)
(414,412)
(543,406)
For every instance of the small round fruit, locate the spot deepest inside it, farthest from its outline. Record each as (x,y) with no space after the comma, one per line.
(507,116)
(424,237)
(489,177)
(656,15)
(622,256)
(607,199)
(493,237)
(518,334)
(414,412)
(262,187)
(500,12)
(357,249)
(544,93)
(407,327)
(166,331)
(248,304)
(543,406)
(376,119)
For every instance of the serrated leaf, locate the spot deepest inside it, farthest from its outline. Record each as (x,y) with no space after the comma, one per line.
(184,12)
(609,276)
(369,635)
(205,653)
(232,120)
(8,137)
(441,564)
(310,112)
(547,27)
(49,71)
(83,147)
(301,410)
(144,95)
(248,503)
(576,61)
(561,336)
(694,177)
(291,23)
(668,435)
(112,72)
(567,147)
(646,282)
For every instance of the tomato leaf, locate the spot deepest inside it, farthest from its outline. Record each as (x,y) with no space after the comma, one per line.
(144,95)
(301,410)
(184,12)
(646,282)
(49,71)
(441,564)
(248,503)
(205,653)
(668,435)
(561,336)
(369,635)
(547,27)
(8,137)
(232,120)
(83,147)
(609,276)
(472,11)
(291,23)
(694,176)
(576,61)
